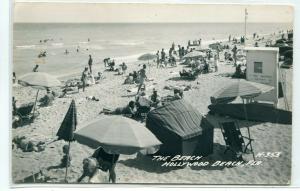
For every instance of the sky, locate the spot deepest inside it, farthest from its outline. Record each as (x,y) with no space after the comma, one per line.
(33,12)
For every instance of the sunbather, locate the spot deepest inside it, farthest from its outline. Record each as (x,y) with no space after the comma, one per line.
(129,110)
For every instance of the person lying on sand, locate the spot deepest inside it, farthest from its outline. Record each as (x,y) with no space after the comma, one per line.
(28,145)
(92,98)
(129,110)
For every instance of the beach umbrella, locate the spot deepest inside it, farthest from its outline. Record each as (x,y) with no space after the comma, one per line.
(117,135)
(39,80)
(147,57)
(195,54)
(67,128)
(243,89)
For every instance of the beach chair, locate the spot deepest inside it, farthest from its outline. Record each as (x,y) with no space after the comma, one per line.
(235,140)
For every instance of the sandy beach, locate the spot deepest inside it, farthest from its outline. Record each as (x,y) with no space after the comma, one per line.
(112,93)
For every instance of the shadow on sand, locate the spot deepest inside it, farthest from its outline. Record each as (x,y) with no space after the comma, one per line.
(218,155)
(146,163)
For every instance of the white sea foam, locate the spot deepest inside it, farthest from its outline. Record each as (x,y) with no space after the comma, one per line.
(32,46)
(57,44)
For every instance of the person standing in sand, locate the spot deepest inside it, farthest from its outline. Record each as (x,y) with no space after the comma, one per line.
(143,76)
(90,63)
(234,50)
(84,77)
(157,59)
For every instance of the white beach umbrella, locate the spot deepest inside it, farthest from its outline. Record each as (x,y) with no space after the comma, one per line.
(39,80)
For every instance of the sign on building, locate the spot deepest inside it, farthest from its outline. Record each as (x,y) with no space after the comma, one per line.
(262,67)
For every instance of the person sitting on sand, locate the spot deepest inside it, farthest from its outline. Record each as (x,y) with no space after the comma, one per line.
(129,79)
(112,65)
(48,98)
(129,110)
(99,76)
(155,99)
(107,162)
(238,72)
(143,76)
(135,76)
(178,94)
(106,62)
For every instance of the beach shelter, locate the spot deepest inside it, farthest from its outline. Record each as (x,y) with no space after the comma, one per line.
(67,128)
(181,129)
(117,135)
(39,80)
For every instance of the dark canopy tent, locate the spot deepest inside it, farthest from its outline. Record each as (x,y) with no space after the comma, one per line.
(181,129)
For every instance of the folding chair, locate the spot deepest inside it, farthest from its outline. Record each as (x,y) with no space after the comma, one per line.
(235,140)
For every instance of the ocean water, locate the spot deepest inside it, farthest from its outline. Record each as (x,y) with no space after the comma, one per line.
(124,42)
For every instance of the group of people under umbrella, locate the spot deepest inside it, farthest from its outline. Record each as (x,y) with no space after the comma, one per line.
(114,135)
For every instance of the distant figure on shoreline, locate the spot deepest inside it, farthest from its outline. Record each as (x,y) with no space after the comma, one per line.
(90,63)
(35,69)
(229,38)
(77,50)
(66,51)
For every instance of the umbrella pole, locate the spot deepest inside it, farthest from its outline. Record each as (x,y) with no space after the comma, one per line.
(37,93)
(66,174)
(246,117)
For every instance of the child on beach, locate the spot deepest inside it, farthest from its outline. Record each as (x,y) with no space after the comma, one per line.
(66,160)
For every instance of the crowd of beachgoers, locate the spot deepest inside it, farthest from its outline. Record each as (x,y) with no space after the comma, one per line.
(132,90)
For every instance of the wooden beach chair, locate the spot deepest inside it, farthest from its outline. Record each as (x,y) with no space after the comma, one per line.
(235,140)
